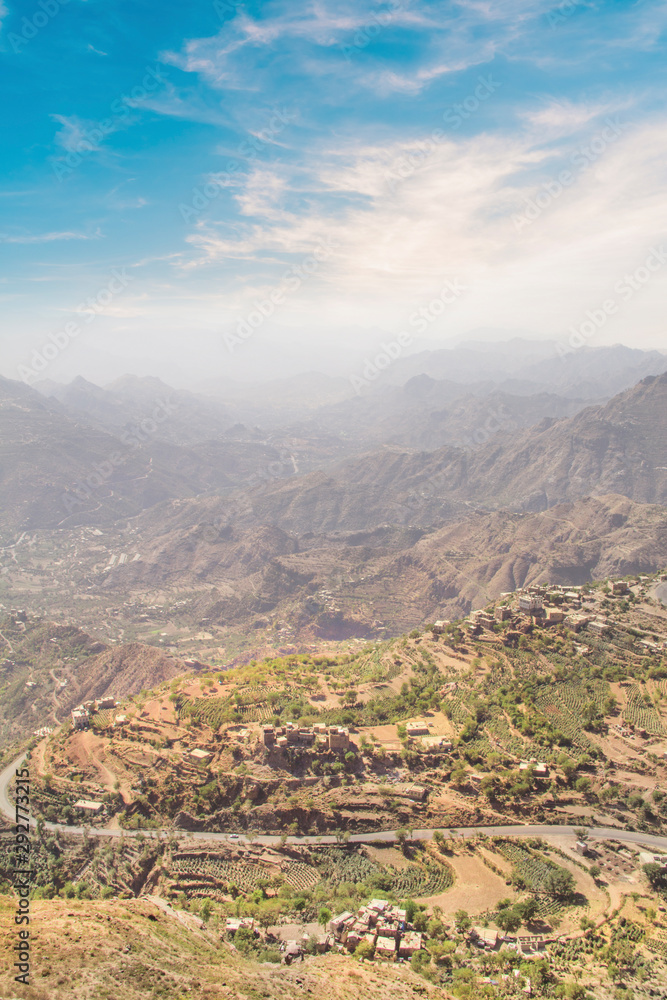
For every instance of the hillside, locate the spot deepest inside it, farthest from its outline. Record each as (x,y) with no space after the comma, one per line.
(337,585)
(579,688)
(528,367)
(126,402)
(428,414)
(49,668)
(620,447)
(56,470)
(135,949)
(511,716)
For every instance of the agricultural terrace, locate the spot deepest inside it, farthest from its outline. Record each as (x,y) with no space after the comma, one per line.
(444,730)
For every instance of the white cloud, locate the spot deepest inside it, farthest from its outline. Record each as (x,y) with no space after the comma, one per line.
(234,59)
(49,237)
(454,218)
(74,132)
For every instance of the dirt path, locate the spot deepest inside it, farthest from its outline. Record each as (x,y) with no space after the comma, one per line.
(56,703)
(11,648)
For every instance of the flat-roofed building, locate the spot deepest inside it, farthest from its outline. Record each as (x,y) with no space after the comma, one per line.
(385,946)
(502,614)
(416,729)
(440,626)
(338,925)
(530,604)
(80,718)
(409,944)
(89,806)
(338,738)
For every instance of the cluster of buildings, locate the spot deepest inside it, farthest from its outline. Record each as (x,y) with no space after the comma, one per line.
(82,713)
(328,737)
(383,925)
(551,605)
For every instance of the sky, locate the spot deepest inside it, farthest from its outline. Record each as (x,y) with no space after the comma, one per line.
(241,190)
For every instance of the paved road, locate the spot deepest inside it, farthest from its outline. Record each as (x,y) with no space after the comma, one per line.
(382,836)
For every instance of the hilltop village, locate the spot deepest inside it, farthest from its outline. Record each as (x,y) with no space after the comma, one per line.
(406,728)
(545,707)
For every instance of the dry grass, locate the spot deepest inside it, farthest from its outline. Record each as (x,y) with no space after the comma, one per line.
(127,950)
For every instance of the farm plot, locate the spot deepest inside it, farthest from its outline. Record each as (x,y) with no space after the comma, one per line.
(563,708)
(532,871)
(499,728)
(642,715)
(246,877)
(422,877)
(422,880)
(337,865)
(213,712)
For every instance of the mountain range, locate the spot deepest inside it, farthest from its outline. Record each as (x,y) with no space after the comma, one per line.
(355,515)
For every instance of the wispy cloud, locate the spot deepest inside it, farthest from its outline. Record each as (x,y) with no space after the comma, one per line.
(454,219)
(49,237)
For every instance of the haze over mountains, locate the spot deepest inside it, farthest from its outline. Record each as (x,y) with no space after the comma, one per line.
(455,475)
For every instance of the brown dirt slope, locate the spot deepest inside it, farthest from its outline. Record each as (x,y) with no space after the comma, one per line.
(126,950)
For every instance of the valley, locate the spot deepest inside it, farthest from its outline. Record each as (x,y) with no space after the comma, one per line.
(478,775)
(370,686)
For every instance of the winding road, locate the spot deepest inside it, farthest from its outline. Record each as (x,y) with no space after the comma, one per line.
(382,836)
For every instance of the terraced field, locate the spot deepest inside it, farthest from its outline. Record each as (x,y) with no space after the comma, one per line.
(642,715)
(425,877)
(532,870)
(245,876)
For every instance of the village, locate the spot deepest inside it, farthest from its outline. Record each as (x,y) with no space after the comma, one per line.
(577,608)
(292,763)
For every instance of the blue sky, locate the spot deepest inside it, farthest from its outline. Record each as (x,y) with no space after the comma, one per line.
(225,189)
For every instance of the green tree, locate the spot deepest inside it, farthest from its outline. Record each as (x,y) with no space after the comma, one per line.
(527,909)
(462,920)
(559,883)
(402,836)
(656,876)
(508,920)
(365,949)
